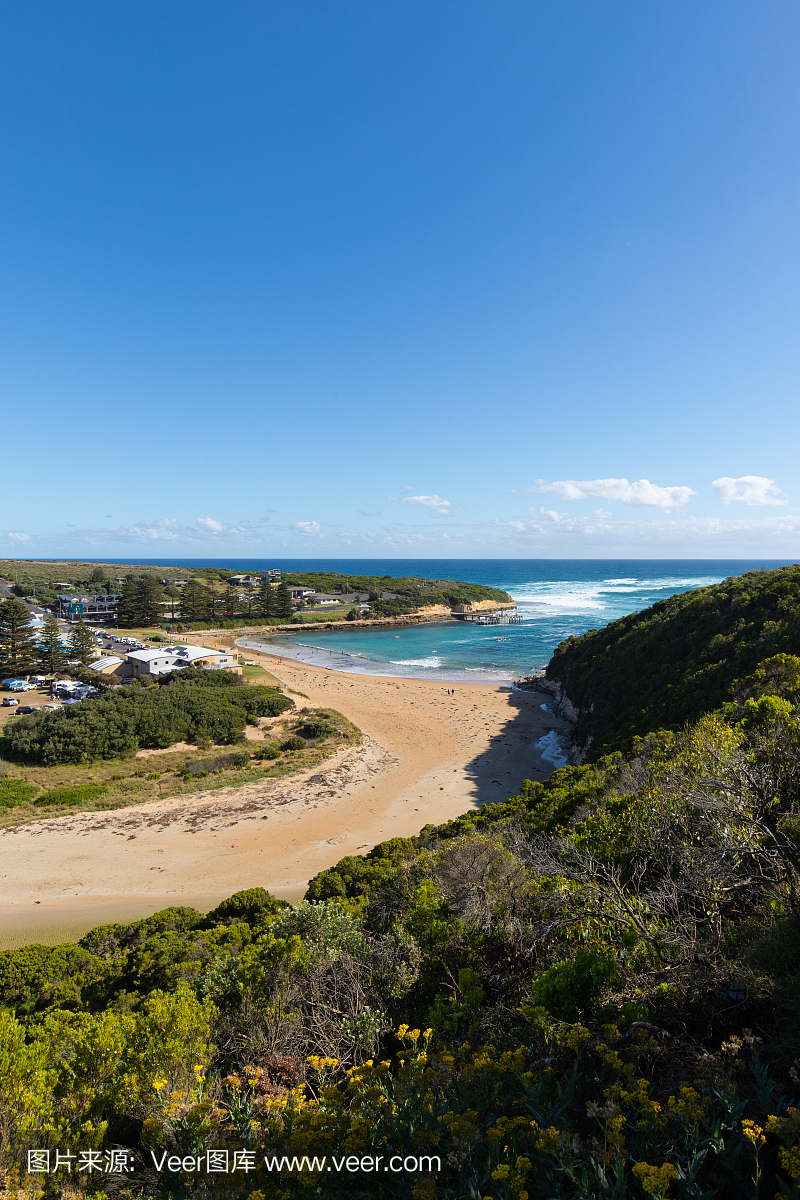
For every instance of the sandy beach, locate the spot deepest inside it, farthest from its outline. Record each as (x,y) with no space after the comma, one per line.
(431,752)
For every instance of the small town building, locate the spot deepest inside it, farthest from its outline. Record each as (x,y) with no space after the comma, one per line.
(92,609)
(171,658)
(109,664)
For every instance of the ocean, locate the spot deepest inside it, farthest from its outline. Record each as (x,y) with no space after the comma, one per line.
(556,597)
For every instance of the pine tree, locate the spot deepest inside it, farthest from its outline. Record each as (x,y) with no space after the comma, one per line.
(52,656)
(266,599)
(194,601)
(216,605)
(81,643)
(140,602)
(284,606)
(232,602)
(172,594)
(128,604)
(18,653)
(149,596)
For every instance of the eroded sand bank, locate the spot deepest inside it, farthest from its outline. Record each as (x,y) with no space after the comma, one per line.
(427,756)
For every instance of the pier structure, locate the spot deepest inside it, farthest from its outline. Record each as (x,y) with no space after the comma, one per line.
(500,616)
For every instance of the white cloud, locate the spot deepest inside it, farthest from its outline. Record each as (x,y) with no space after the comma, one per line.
(437,504)
(18,537)
(307,528)
(601,513)
(750,489)
(639,494)
(209,524)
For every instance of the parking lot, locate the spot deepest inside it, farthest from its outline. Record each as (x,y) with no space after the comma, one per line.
(35,699)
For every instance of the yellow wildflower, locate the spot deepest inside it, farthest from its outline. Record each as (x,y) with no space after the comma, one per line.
(574,1037)
(655,1180)
(753,1133)
(790,1161)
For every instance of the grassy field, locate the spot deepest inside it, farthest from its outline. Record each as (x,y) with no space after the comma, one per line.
(255,674)
(164,773)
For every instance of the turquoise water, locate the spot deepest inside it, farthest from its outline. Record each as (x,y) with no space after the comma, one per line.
(557,598)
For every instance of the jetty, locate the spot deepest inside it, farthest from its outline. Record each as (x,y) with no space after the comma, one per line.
(499,617)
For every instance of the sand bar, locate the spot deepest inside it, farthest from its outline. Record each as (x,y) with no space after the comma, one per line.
(431,751)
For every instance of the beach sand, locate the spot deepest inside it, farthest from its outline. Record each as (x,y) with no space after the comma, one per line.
(427,757)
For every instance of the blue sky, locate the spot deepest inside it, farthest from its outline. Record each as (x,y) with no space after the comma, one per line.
(418,278)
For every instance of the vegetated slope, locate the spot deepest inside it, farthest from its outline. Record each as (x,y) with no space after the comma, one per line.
(190,703)
(669,664)
(545,997)
(407,594)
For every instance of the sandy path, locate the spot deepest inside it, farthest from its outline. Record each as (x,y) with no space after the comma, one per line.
(427,757)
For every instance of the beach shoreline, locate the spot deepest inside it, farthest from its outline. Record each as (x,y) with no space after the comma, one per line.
(431,751)
(359,664)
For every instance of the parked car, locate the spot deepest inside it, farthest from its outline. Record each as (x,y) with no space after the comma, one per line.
(9,702)
(24,709)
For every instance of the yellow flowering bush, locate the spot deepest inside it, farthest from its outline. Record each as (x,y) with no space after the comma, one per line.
(655,1180)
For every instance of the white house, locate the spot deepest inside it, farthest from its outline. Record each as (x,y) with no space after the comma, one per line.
(170,658)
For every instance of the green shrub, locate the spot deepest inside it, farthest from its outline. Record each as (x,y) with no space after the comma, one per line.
(82,793)
(294,743)
(206,707)
(14,792)
(249,905)
(569,990)
(355,877)
(316,728)
(271,750)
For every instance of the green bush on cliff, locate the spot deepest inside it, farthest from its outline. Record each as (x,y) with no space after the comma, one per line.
(662,667)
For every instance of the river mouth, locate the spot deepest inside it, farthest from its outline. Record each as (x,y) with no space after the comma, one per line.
(436,652)
(556,600)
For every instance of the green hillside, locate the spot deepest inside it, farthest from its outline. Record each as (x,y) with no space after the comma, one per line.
(669,664)
(392,596)
(590,991)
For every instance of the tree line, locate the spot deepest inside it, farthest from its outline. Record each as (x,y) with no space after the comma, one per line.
(187,704)
(142,602)
(26,647)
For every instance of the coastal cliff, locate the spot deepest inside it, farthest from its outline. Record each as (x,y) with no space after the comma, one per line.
(669,664)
